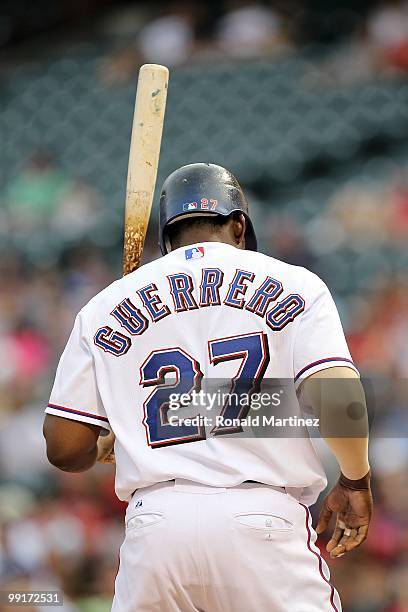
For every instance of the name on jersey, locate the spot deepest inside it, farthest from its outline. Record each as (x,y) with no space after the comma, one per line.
(134,314)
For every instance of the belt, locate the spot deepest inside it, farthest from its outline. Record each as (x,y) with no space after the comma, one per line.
(257,482)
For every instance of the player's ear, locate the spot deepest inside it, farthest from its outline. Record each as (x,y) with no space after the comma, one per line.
(239,228)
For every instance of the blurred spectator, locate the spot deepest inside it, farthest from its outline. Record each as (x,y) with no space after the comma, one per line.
(77,212)
(398,208)
(388,31)
(287,242)
(355,61)
(23,424)
(120,66)
(34,195)
(42,197)
(249,29)
(359,211)
(169,39)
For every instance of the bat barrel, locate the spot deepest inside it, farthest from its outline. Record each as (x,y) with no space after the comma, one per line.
(144,155)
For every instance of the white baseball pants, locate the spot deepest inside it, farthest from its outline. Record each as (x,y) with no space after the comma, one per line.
(194,548)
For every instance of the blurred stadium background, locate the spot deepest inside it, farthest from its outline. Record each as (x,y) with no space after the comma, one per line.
(307,103)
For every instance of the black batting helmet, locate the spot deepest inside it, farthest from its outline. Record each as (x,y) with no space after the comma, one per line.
(201,189)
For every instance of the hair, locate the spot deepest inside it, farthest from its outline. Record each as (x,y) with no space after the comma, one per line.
(213,223)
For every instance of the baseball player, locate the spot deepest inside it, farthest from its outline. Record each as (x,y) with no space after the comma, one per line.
(217,520)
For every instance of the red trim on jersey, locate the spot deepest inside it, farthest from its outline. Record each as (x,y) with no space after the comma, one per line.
(309,537)
(79,412)
(315,363)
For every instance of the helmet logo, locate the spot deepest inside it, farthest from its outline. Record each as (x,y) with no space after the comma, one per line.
(204,204)
(190,206)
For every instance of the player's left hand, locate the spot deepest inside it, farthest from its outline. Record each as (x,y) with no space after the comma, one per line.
(352,502)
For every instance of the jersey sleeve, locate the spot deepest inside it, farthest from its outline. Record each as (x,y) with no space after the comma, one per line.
(320,342)
(75,394)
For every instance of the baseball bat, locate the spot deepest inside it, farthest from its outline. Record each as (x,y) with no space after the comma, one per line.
(144,155)
(147,129)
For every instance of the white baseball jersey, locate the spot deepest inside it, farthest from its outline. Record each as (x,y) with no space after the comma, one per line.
(203,312)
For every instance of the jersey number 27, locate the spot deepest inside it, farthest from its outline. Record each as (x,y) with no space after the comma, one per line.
(251,350)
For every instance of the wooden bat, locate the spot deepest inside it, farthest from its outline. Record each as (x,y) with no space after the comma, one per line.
(144,155)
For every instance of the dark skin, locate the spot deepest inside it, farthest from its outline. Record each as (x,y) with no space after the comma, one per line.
(231,232)
(353,510)
(72,446)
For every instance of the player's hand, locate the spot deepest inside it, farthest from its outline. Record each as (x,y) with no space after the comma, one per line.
(352,502)
(105,448)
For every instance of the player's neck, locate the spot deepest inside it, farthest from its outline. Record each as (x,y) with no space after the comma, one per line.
(196,238)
